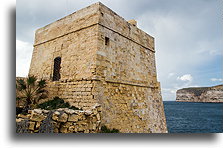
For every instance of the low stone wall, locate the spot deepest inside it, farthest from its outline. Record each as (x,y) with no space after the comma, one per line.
(76,93)
(61,120)
(130,108)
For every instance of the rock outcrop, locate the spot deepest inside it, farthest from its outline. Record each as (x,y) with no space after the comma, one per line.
(200,94)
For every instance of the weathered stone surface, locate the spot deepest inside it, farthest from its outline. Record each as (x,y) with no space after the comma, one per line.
(73,117)
(69,111)
(19,119)
(38,125)
(78,121)
(55,115)
(37,117)
(23,116)
(88,112)
(98,116)
(63,129)
(31,125)
(200,94)
(63,117)
(104,60)
(39,111)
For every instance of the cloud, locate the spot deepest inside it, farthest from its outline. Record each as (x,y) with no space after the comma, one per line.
(186,40)
(185,43)
(171,75)
(173,91)
(23,57)
(216,79)
(186,77)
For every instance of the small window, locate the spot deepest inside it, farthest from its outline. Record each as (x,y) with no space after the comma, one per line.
(56,69)
(106,41)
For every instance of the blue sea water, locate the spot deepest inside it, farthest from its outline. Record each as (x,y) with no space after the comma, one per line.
(190,117)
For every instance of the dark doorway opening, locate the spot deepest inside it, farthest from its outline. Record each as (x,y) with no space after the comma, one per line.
(56,69)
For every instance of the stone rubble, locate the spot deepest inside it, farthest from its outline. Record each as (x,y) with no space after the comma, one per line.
(64,120)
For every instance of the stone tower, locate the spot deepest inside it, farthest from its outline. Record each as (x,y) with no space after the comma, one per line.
(95,56)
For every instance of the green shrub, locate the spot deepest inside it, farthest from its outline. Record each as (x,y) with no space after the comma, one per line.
(104,129)
(55,104)
(20,110)
(31,91)
(74,108)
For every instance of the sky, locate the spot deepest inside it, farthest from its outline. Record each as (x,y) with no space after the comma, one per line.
(188,36)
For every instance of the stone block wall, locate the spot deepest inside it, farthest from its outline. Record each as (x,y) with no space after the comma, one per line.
(124,60)
(76,93)
(60,121)
(72,23)
(105,60)
(77,51)
(127,89)
(131,108)
(110,20)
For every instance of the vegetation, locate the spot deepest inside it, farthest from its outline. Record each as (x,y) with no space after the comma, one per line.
(55,104)
(104,129)
(31,91)
(20,110)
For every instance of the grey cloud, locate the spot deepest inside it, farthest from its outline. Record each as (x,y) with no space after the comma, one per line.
(188,33)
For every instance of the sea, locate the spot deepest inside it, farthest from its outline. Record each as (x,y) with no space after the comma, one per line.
(190,117)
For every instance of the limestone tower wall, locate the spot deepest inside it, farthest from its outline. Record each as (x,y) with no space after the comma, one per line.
(127,86)
(74,39)
(95,56)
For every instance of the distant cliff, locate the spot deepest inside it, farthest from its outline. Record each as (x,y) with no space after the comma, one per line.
(200,94)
